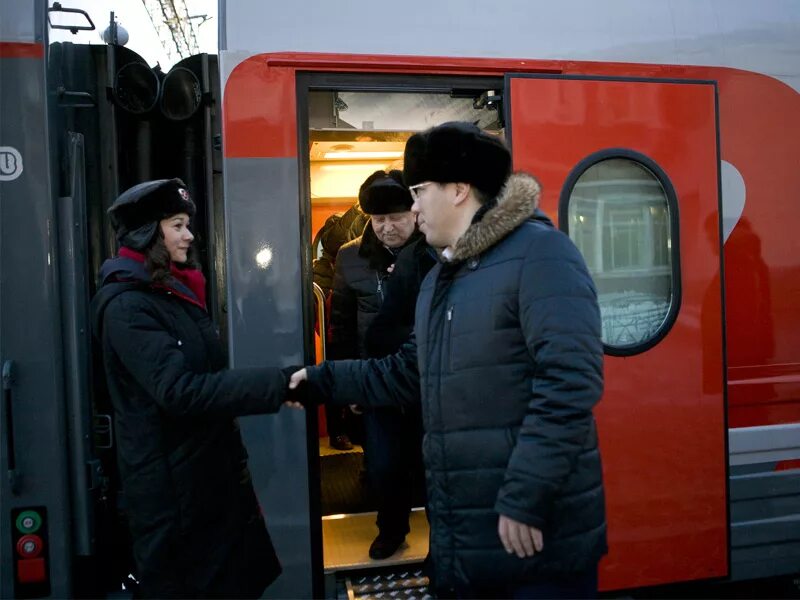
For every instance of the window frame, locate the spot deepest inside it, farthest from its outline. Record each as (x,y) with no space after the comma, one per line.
(672,206)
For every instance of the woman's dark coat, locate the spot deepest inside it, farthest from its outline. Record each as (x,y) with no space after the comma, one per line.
(508,363)
(196,524)
(361,273)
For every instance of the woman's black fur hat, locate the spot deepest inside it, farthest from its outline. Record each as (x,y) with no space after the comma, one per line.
(136,213)
(383,193)
(457,152)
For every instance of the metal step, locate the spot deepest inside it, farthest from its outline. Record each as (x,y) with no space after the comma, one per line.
(400,584)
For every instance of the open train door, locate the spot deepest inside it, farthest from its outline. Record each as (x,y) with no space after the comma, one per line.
(631,167)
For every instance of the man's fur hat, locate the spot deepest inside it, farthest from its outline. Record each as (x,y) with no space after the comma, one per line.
(383,193)
(457,152)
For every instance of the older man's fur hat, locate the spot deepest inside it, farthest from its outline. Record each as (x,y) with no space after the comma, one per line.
(136,213)
(457,152)
(383,193)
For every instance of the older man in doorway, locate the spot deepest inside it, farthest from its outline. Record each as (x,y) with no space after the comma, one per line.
(362,269)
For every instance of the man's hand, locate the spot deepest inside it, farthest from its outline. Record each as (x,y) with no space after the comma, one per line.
(519,538)
(295,380)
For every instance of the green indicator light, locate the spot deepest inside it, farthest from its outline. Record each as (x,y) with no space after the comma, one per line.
(28,521)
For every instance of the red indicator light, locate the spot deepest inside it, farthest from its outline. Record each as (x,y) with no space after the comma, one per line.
(29,546)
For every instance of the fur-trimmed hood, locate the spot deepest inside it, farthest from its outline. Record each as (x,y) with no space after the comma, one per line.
(516,203)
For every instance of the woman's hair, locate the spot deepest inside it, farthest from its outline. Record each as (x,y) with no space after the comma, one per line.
(158,261)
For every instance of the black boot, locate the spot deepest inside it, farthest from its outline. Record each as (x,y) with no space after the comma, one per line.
(385,545)
(341,442)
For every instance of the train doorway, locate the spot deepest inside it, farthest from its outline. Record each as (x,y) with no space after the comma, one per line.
(351,127)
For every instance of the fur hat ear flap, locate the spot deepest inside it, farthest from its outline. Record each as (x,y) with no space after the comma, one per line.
(457,152)
(136,213)
(383,193)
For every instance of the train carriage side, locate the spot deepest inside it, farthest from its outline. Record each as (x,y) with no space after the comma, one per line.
(671,145)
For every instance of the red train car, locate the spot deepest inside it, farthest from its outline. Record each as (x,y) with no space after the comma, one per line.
(665,137)
(668,160)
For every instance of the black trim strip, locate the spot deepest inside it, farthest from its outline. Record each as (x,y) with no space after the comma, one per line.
(312,421)
(724,317)
(674,221)
(394,82)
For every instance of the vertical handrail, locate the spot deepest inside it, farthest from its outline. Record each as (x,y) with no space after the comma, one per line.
(76,336)
(319,294)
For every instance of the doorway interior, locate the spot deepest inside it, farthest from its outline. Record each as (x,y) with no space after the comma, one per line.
(354,126)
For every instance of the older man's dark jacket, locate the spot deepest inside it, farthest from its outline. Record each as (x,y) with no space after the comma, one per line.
(507,362)
(392,325)
(361,273)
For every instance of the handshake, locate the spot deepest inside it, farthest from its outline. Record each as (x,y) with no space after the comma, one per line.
(303,391)
(297,392)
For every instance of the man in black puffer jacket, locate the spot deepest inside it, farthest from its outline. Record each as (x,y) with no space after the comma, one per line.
(507,363)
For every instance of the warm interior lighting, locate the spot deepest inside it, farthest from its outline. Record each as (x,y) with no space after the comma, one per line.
(340,166)
(368,168)
(342,179)
(365,155)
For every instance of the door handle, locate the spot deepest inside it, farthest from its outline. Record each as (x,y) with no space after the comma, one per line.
(69,99)
(8,383)
(320,296)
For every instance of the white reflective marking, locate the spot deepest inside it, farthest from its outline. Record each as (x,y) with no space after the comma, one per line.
(10,163)
(733,197)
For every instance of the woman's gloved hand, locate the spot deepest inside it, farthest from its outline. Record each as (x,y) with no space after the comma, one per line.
(297,395)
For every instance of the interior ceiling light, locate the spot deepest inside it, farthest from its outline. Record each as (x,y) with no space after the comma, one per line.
(364,155)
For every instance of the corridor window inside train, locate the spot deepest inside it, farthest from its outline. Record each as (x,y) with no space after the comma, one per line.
(622,216)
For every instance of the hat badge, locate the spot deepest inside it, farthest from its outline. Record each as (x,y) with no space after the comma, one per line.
(184,193)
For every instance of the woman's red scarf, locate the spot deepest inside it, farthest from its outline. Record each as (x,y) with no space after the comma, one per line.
(191,278)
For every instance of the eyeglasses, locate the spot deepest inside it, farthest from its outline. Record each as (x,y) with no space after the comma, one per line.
(414,189)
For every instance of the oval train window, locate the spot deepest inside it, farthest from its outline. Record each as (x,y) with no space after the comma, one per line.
(620,215)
